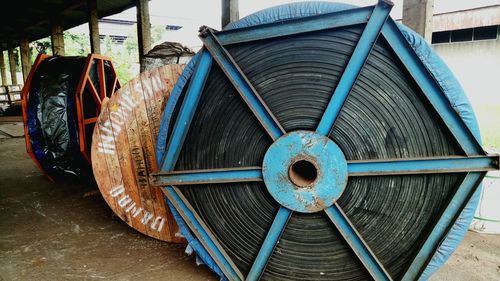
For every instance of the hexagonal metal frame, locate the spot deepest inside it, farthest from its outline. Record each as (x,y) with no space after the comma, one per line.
(476,162)
(84,83)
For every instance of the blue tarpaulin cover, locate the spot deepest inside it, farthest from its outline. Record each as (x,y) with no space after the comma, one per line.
(52,124)
(52,116)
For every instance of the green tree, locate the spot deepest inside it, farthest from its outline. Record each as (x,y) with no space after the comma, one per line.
(107,46)
(122,59)
(76,44)
(157,33)
(131,46)
(40,46)
(125,58)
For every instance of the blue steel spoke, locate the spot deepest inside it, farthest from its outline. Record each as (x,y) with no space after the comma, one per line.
(295,26)
(199,229)
(267,248)
(242,84)
(440,229)
(431,89)
(174,146)
(356,243)
(210,176)
(358,58)
(187,111)
(434,165)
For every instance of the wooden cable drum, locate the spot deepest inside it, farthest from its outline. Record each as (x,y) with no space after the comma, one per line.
(123,152)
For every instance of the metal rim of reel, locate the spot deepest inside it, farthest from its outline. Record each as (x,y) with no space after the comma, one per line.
(475,163)
(98,93)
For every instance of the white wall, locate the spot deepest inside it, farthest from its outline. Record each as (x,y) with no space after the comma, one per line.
(476,64)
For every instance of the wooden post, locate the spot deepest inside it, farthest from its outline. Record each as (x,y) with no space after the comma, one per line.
(143,30)
(2,69)
(95,42)
(230,11)
(12,65)
(25,58)
(57,40)
(417,15)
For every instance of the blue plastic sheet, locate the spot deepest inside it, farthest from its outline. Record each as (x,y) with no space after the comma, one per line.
(450,85)
(52,124)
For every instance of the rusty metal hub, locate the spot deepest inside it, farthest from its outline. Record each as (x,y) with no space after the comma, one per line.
(305,171)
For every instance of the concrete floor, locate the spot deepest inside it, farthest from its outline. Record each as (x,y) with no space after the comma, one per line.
(52,231)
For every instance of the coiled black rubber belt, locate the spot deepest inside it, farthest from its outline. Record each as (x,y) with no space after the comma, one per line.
(385,116)
(373,125)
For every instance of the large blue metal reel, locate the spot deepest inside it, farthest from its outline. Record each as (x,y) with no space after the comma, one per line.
(319,148)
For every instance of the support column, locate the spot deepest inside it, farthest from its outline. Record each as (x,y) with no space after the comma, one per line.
(57,40)
(2,69)
(230,12)
(143,30)
(95,42)
(12,65)
(417,15)
(25,57)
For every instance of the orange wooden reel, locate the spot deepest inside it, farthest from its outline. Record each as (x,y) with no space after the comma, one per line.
(123,152)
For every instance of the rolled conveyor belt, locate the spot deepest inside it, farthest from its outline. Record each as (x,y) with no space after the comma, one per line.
(385,116)
(382,118)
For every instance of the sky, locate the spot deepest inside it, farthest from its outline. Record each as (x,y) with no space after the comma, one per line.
(191,14)
(208,11)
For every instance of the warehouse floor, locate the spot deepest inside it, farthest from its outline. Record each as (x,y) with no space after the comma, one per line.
(52,231)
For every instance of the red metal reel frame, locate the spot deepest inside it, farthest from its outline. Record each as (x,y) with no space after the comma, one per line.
(86,83)
(24,105)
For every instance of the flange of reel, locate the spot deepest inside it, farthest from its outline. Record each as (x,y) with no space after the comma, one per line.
(258,137)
